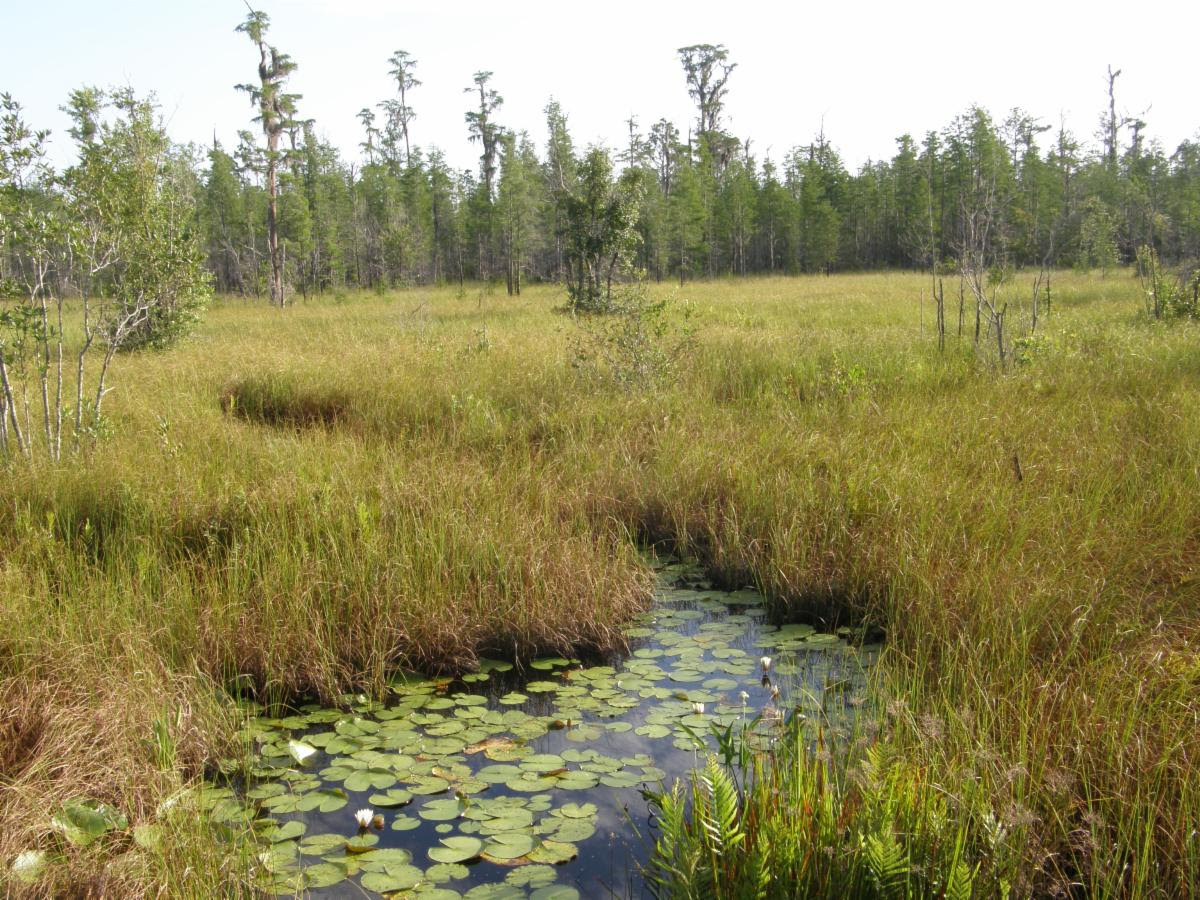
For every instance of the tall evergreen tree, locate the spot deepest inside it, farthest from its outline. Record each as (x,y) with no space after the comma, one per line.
(276,111)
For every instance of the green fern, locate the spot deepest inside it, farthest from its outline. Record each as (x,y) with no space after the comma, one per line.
(723,813)
(960,884)
(887,863)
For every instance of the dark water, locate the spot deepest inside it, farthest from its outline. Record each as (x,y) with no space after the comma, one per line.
(535,779)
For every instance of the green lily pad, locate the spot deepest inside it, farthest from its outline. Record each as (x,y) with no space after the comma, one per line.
(509,845)
(542,762)
(394,878)
(320,844)
(83,823)
(577,810)
(405,823)
(530,782)
(456,849)
(495,892)
(325,874)
(286,832)
(300,751)
(553,853)
(325,800)
(29,866)
(555,892)
(368,779)
(583,734)
(426,786)
(377,859)
(533,876)
(576,780)
(620,780)
(498,774)
(361,843)
(572,830)
(148,837)
(494,665)
(443,810)
(443,872)
(393,798)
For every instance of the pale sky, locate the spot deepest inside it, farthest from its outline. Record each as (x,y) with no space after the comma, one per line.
(869,71)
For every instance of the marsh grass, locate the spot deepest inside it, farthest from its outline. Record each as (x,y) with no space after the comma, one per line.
(294,505)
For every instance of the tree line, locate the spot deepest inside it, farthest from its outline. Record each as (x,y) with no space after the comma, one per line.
(284,211)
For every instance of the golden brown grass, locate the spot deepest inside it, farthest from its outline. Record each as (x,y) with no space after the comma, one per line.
(296,503)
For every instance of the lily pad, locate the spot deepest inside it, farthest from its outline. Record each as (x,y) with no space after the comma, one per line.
(393,798)
(83,823)
(553,853)
(443,872)
(392,879)
(443,810)
(509,845)
(577,810)
(533,876)
(367,779)
(325,874)
(555,892)
(29,866)
(456,849)
(286,832)
(405,823)
(300,751)
(321,844)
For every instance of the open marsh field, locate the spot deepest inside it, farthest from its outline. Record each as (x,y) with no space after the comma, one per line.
(293,506)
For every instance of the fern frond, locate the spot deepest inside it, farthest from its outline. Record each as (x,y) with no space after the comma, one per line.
(960,885)
(887,863)
(726,811)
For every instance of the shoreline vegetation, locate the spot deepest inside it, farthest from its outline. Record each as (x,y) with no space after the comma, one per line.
(286,507)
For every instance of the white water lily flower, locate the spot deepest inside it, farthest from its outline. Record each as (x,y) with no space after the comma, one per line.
(745,697)
(766,663)
(364,817)
(698,708)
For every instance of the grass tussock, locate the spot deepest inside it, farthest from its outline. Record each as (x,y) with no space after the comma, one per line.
(281,402)
(297,506)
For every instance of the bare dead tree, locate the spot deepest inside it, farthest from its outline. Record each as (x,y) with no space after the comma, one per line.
(1040,283)
(1112,124)
(978,261)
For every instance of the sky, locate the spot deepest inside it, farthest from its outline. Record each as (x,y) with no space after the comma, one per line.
(864,72)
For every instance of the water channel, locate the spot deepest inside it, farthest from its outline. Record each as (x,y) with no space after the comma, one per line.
(504,784)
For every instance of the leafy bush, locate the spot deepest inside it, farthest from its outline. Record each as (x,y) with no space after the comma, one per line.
(133,200)
(635,344)
(1168,294)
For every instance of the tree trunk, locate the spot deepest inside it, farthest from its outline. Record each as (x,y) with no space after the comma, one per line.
(277,296)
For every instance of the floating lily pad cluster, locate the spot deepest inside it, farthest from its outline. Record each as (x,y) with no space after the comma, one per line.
(484,786)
